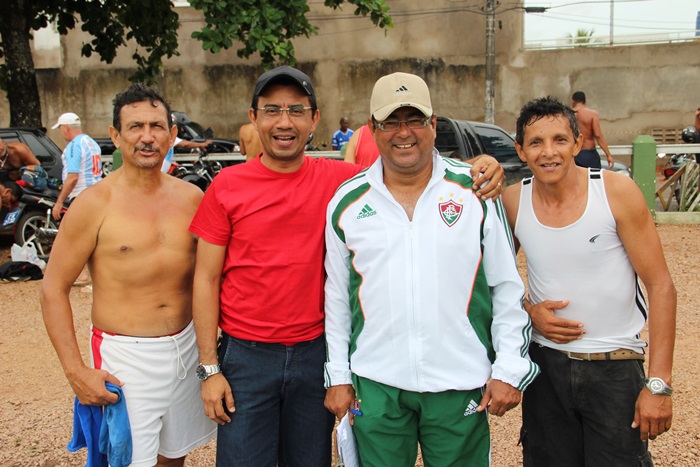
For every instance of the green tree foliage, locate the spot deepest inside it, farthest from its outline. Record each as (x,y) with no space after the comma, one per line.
(263,26)
(267,27)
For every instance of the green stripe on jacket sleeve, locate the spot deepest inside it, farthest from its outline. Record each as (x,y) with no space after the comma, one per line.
(352,196)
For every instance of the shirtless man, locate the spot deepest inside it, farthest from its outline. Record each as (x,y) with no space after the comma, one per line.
(141,258)
(249,141)
(589,126)
(14,156)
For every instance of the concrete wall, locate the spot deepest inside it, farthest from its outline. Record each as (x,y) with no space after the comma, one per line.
(634,88)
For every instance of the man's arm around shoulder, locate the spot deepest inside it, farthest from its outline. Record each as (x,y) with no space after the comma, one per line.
(636,229)
(76,240)
(488,175)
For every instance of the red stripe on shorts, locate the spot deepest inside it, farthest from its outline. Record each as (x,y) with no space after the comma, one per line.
(95,343)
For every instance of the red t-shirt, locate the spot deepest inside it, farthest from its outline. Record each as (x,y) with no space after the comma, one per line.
(273,227)
(366,151)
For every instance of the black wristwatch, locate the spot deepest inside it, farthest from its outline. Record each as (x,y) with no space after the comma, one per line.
(205,371)
(658,386)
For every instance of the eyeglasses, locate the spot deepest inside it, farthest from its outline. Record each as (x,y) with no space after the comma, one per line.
(394,125)
(294,111)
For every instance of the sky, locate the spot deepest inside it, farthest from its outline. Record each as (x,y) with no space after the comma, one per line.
(565,17)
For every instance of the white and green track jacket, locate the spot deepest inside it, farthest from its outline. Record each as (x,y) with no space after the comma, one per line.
(429,305)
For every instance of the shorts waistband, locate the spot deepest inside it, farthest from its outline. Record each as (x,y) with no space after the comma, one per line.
(100,332)
(619,354)
(185,337)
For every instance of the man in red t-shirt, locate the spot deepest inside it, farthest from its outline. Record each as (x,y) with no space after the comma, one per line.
(259,277)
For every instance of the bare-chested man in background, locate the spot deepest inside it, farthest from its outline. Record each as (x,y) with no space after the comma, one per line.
(249,140)
(589,126)
(132,232)
(15,155)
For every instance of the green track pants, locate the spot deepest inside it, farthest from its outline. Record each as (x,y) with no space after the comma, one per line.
(394,421)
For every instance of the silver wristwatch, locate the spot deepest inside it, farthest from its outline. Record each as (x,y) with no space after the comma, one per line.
(658,386)
(205,371)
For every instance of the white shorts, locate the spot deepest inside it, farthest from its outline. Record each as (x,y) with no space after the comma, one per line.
(162,392)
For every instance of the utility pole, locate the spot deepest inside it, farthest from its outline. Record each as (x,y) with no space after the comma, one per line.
(490,61)
(612,20)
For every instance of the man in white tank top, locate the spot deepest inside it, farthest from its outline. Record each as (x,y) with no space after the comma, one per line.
(588,237)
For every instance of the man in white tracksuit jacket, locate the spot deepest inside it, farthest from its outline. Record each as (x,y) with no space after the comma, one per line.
(424,321)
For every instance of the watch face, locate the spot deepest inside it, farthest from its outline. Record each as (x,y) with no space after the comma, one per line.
(201,372)
(656,386)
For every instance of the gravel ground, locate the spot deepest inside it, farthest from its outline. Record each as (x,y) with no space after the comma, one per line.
(36,401)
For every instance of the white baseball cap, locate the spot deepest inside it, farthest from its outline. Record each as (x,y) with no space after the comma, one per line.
(68,118)
(399,90)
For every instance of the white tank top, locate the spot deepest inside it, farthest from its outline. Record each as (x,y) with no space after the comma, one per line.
(585,263)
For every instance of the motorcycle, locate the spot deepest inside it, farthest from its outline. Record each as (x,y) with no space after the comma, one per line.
(33,213)
(311,147)
(690,135)
(676,161)
(201,173)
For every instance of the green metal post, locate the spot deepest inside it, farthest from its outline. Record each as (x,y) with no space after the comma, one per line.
(117,159)
(644,168)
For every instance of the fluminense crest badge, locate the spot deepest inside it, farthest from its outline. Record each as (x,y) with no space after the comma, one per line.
(450,212)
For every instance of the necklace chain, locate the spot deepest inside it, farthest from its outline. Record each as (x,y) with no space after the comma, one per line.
(7,154)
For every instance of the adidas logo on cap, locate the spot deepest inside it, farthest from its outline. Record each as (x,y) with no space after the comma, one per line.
(399,90)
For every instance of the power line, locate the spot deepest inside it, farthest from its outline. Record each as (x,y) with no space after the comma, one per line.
(372,27)
(599,2)
(400,14)
(604,21)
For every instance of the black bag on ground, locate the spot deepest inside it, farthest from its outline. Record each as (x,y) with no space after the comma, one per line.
(20,271)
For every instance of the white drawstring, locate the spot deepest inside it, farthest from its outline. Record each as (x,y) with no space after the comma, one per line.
(180,363)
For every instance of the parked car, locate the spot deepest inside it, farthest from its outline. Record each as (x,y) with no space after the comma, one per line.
(466,139)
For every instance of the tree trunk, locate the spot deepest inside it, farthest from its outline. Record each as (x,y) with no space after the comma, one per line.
(20,76)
